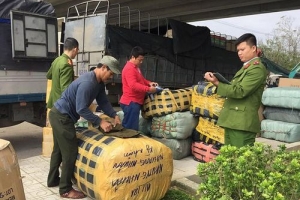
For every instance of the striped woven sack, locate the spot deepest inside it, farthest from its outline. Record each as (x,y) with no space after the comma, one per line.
(205,102)
(198,137)
(209,128)
(113,168)
(167,102)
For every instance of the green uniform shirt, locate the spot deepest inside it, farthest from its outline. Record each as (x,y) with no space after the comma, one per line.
(61,73)
(243,98)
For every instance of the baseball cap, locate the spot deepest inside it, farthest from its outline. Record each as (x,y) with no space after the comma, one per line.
(112,63)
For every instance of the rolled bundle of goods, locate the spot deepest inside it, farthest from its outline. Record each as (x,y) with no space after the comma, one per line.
(205,102)
(209,128)
(180,148)
(204,152)
(144,124)
(282,114)
(198,137)
(280,131)
(284,97)
(167,102)
(113,168)
(178,125)
(204,149)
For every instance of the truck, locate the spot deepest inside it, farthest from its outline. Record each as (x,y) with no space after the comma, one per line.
(177,54)
(28,38)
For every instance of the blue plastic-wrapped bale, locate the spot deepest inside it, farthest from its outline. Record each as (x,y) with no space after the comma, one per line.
(178,125)
(111,168)
(283,97)
(282,114)
(280,131)
(180,148)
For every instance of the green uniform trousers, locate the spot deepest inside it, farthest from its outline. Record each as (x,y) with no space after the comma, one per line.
(65,151)
(239,138)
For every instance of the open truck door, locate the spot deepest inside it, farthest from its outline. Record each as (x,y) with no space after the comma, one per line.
(29,43)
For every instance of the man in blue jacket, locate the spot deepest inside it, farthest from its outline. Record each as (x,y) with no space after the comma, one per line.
(239,116)
(75,102)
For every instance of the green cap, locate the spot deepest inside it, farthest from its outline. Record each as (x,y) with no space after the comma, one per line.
(112,63)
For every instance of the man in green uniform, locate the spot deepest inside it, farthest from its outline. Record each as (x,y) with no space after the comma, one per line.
(239,116)
(61,72)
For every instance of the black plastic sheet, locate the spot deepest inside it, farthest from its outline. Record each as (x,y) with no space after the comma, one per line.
(41,7)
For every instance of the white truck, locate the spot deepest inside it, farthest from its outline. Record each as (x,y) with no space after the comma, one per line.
(28,46)
(174,62)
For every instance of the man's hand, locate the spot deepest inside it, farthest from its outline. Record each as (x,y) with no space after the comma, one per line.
(105,125)
(153,84)
(152,90)
(209,76)
(117,120)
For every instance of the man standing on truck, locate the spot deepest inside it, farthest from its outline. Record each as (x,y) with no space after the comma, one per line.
(135,88)
(239,116)
(61,71)
(75,102)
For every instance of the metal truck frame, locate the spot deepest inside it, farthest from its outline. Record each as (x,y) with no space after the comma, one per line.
(93,23)
(29,43)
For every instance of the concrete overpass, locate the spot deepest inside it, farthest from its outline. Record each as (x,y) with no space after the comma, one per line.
(192,10)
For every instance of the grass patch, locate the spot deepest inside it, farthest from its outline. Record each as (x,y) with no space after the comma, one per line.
(176,194)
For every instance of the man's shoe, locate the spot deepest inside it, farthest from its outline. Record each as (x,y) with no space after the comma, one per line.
(54,184)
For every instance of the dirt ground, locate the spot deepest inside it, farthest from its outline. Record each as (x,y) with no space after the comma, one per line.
(25,138)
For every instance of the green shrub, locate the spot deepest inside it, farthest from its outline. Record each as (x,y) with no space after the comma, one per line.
(251,173)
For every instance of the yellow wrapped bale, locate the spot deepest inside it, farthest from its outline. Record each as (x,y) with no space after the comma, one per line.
(209,128)
(167,102)
(113,168)
(205,102)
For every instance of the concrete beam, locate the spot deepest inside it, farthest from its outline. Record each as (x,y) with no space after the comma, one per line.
(193,10)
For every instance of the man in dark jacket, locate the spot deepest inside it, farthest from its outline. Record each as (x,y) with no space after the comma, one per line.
(75,102)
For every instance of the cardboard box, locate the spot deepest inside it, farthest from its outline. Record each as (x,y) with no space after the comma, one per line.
(47,148)
(289,82)
(49,86)
(47,118)
(11,186)
(47,134)
(47,145)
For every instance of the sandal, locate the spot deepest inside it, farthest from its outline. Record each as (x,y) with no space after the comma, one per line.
(73,194)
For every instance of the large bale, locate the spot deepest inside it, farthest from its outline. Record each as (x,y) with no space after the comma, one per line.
(283,97)
(167,102)
(282,114)
(209,128)
(280,131)
(114,168)
(178,125)
(205,102)
(11,186)
(180,148)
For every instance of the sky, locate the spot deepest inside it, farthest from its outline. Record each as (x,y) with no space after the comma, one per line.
(261,25)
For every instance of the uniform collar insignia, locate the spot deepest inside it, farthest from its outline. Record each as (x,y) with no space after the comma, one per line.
(246,66)
(70,62)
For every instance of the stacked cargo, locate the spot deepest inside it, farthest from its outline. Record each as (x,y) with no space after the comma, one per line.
(171,122)
(208,137)
(223,41)
(47,145)
(282,113)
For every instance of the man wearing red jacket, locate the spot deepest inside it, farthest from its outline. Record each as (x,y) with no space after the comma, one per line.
(135,88)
